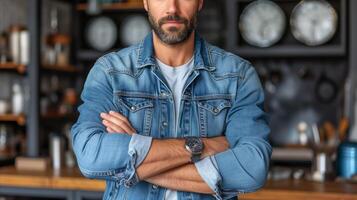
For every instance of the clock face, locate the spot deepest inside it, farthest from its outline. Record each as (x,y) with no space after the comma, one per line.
(101,33)
(133,29)
(262,23)
(313,22)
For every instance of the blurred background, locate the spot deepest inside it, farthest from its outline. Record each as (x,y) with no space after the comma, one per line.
(305,52)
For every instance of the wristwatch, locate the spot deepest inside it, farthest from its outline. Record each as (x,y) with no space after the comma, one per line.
(195,146)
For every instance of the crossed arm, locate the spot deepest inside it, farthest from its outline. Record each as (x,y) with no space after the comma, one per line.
(167,163)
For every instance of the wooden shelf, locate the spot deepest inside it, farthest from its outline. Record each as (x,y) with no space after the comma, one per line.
(91,55)
(58,68)
(12,66)
(19,119)
(135,5)
(291,51)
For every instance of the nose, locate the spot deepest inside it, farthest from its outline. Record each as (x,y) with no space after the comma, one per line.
(172,4)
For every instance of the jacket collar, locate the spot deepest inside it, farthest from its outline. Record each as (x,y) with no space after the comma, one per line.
(146,56)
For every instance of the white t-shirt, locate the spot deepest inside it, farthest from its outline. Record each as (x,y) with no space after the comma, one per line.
(176,78)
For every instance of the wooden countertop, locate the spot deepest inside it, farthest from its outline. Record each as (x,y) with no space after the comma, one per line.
(305,190)
(72,179)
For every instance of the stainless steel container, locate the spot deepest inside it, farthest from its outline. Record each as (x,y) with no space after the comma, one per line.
(57,151)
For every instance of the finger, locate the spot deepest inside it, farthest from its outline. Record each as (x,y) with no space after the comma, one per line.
(121,117)
(117,122)
(115,119)
(110,130)
(114,127)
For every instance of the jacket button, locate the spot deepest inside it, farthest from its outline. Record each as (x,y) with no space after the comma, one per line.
(154,186)
(215,110)
(164,123)
(132,107)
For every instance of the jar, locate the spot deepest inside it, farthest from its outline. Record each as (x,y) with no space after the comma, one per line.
(347,159)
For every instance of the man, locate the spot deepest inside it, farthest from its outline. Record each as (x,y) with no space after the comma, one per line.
(173,117)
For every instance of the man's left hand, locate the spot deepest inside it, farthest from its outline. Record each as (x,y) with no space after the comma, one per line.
(116,123)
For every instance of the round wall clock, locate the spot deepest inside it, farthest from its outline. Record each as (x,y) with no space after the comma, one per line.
(133,29)
(101,33)
(262,23)
(313,22)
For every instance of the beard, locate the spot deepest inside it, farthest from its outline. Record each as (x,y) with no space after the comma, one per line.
(174,35)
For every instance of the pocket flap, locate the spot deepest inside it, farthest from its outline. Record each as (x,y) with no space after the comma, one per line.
(214,106)
(135,104)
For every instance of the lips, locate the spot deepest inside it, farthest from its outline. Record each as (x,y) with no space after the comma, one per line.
(173,22)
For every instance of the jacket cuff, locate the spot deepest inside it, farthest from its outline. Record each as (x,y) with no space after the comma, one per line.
(139,147)
(209,173)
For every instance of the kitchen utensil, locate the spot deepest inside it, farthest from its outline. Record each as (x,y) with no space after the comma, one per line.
(326,89)
(330,131)
(342,128)
(322,166)
(315,134)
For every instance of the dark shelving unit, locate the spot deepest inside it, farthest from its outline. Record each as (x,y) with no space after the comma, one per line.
(340,51)
(288,46)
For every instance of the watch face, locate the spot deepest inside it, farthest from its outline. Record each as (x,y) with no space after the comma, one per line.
(262,23)
(195,145)
(313,22)
(101,33)
(133,29)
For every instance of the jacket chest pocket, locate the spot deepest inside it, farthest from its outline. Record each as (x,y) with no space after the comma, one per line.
(139,112)
(212,116)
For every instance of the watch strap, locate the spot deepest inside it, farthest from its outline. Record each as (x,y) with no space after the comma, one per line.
(195,157)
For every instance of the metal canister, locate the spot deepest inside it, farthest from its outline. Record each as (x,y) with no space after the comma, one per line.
(347,159)
(57,151)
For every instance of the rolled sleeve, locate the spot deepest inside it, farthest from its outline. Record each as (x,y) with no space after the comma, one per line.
(101,155)
(244,167)
(139,147)
(209,173)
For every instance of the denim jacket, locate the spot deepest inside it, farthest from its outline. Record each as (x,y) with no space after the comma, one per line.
(222,96)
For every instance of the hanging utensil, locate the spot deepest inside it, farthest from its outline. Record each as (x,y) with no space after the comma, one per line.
(325,89)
